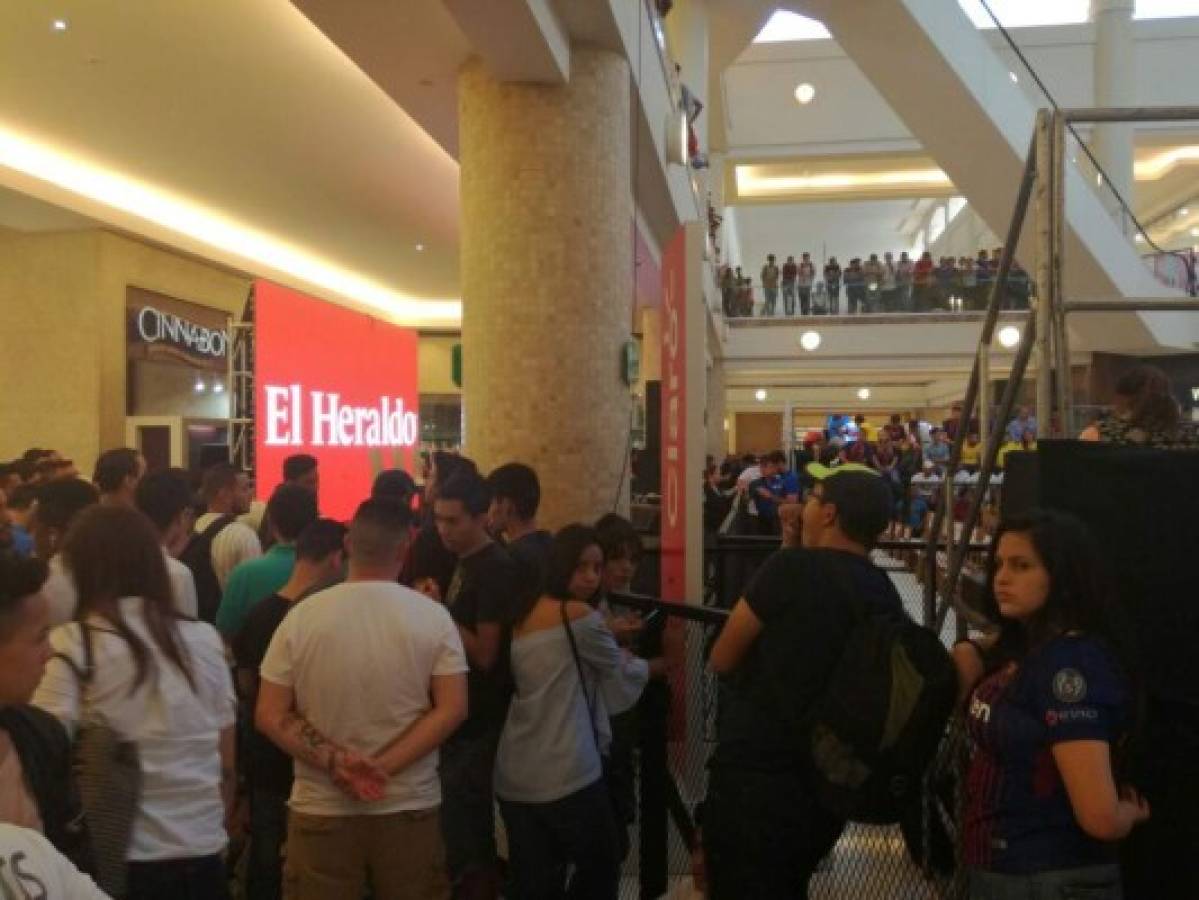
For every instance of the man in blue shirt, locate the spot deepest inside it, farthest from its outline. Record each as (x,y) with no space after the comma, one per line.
(1024,421)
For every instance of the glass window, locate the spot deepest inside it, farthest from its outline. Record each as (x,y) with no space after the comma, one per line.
(1166,9)
(955,206)
(1023,13)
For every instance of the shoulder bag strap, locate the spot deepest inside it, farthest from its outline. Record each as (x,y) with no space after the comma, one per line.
(574,651)
(83,675)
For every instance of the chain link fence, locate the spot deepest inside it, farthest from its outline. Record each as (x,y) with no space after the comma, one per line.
(868,862)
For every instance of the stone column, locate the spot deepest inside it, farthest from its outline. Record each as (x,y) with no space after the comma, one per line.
(1115,85)
(547,279)
(717,438)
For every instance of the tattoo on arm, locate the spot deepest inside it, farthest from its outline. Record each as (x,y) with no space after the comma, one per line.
(309,744)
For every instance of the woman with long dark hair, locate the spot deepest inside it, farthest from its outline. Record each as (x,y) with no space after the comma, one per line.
(1145,413)
(132,663)
(570,675)
(1053,701)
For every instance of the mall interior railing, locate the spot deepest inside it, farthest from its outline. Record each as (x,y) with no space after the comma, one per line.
(676,733)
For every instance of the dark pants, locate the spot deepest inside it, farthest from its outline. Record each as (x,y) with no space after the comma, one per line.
(1091,883)
(764,835)
(198,878)
(268,833)
(833,289)
(468,812)
(855,295)
(544,839)
(805,301)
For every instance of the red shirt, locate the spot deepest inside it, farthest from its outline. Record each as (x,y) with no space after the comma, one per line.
(924,271)
(790,270)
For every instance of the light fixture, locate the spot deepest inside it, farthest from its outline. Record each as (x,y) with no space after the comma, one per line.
(1140,238)
(60,25)
(420,248)
(218,387)
(1009,336)
(214,229)
(760,394)
(810,340)
(1099,179)
(1184,212)
(1195,232)
(864,393)
(1012,75)
(199,388)
(759,181)
(805,94)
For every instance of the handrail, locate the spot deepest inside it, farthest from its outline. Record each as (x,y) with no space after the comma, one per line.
(704,615)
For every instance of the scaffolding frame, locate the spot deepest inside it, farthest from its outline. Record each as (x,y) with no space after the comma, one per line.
(1043,187)
(241,389)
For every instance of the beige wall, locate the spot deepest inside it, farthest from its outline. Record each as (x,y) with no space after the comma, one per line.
(62,332)
(435,363)
(758,432)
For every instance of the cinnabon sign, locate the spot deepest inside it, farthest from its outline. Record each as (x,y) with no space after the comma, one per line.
(336,384)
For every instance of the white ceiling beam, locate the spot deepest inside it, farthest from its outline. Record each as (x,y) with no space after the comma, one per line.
(518,40)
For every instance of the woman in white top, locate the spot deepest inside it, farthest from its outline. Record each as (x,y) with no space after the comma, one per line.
(549,771)
(159,681)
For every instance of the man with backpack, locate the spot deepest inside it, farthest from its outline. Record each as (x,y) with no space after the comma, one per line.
(220,542)
(817,724)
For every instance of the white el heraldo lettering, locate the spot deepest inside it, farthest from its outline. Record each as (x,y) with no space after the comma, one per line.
(335,424)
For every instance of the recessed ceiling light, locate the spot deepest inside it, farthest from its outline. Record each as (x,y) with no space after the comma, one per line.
(1184,212)
(1140,238)
(1012,75)
(809,340)
(218,387)
(199,385)
(805,94)
(420,248)
(760,394)
(864,393)
(1009,336)
(60,25)
(1195,232)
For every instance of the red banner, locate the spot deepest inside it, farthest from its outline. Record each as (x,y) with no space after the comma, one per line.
(337,384)
(676,492)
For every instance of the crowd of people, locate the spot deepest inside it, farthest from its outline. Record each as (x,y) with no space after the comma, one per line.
(352,698)
(873,285)
(358,698)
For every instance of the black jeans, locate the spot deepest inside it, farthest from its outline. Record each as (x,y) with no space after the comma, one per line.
(544,838)
(198,878)
(764,835)
(268,833)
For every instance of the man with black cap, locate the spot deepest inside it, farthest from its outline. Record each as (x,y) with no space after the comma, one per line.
(763,831)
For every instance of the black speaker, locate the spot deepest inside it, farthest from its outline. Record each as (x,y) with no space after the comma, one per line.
(1021,483)
(648,479)
(1142,505)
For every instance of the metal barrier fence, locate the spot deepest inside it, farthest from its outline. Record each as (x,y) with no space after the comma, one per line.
(675,740)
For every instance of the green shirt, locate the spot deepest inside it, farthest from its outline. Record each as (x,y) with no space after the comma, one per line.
(250,582)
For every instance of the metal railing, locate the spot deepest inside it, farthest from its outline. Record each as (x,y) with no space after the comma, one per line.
(676,737)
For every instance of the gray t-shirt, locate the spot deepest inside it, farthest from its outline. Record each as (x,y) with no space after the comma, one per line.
(548,748)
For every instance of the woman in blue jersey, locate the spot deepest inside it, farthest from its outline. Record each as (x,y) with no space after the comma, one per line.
(1051,702)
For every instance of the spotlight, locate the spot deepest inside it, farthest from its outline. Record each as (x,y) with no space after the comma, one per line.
(1009,336)
(760,394)
(810,340)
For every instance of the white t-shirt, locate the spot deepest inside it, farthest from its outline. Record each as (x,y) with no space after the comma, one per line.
(360,657)
(183,586)
(59,591)
(744,480)
(233,546)
(176,729)
(31,867)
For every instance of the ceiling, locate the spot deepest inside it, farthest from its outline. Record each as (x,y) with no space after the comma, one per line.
(245,114)
(20,212)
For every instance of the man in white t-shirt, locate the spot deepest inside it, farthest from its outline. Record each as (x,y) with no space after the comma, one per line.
(361,684)
(226,491)
(31,867)
(163,497)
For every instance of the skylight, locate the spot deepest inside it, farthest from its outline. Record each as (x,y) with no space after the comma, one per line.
(789,26)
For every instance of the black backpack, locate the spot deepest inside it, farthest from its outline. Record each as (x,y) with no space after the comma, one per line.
(197,556)
(877,724)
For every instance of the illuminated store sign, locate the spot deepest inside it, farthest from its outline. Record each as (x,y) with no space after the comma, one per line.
(154,325)
(336,384)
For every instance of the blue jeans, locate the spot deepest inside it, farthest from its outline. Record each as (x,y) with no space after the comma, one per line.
(268,833)
(772,298)
(544,838)
(1090,883)
(789,297)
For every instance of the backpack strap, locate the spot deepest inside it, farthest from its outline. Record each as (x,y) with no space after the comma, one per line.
(209,534)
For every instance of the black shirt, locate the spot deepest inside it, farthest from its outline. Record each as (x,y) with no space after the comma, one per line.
(531,553)
(799,595)
(485,589)
(268,768)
